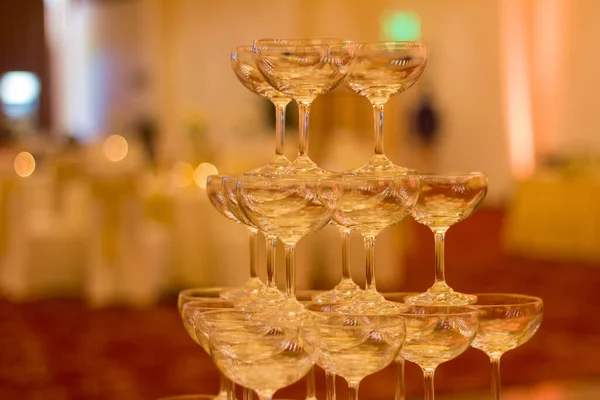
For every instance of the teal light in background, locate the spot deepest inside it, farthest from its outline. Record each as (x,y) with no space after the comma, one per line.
(401,25)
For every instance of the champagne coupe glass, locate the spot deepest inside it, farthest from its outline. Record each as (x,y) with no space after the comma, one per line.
(436,334)
(255,353)
(400,390)
(380,71)
(270,293)
(326,302)
(304,69)
(506,321)
(445,200)
(352,346)
(244,67)
(371,203)
(289,207)
(201,293)
(214,186)
(191,303)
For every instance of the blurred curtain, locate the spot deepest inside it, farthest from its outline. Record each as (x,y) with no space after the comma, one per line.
(23,46)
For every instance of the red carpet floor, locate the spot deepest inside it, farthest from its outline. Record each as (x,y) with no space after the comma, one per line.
(61,350)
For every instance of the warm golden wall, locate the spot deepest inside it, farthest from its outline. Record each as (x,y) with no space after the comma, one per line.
(184,44)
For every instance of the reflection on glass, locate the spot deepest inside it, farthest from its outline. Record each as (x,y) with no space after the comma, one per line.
(304,69)
(445,200)
(380,71)
(506,321)
(289,208)
(242,62)
(370,204)
(214,191)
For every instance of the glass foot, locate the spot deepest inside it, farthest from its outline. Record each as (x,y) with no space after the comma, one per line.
(269,297)
(370,302)
(441,294)
(249,291)
(303,165)
(379,163)
(344,291)
(277,166)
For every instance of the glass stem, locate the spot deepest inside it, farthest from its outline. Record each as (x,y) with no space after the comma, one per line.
(352,391)
(226,387)
(265,397)
(279,128)
(378,121)
(495,361)
(271,254)
(303,116)
(400,389)
(428,374)
(252,235)
(370,262)
(345,235)
(311,387)
(290,270)
(440,240)
(329,386)
(247,394)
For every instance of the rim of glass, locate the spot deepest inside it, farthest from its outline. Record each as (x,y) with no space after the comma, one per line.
(229,311)
(460,310)
(247,47)
(287,178)
(233,177)
(196,303)
(529,300)
(377,176)
(190,293)
(322,314)
(300,42)
(407,43)
(473,174)
(188,397)
(214,176)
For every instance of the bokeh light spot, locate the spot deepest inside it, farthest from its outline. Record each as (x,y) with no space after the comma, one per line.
(401,25)
(24,164)
(115,148)
(202,172)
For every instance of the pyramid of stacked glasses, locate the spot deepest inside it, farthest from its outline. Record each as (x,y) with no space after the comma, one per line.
(263,338)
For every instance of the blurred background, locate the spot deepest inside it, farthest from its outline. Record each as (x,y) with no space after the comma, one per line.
(113,112)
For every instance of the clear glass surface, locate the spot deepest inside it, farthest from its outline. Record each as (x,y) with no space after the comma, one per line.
(254,353)
(201,293)
(352,346)
(191,310)
(216,194)
(193,302)
(380,71)
(506,321)
(400,389)
(268,295)
(346,290)
(214,186)
(436,334)
(304,69)
(244,67)
(289,208)
(444,201)
(369,205)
